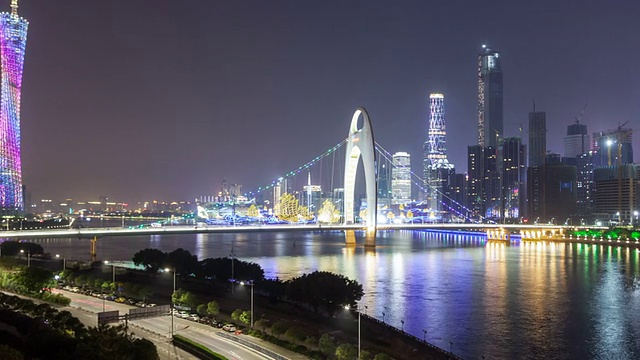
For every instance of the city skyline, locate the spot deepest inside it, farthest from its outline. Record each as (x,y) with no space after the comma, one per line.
(232,88)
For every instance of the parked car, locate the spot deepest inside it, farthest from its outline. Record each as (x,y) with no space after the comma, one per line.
(151,305)
(194,317)
(229,328)
(140,304)
(120,300)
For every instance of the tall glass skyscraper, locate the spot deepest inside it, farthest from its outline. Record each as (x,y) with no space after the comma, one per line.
(490,111)
(436,167)
(13,39)
(401,179)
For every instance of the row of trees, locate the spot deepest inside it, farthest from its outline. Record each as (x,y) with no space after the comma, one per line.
(43,332)
(299,337)
(320,289)
(12,248)
(129,289)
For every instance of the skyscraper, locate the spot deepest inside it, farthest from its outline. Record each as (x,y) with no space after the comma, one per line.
(576,142)
(490,111)
(614,142)
(401,178)
(475,181)
(513,176)
(537,138)
(437,167)
(13,40)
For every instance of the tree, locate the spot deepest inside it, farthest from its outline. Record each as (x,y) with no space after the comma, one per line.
(328,213)
(213,308)
(245,317)
(382,356)
(33,279)
(278,329)
(364,355)
(202,309)
(322,288)
(151,259)
(346,352)
(235,315)
(310,342)
(327,345)
(182,261)
(12,248)
(295,334)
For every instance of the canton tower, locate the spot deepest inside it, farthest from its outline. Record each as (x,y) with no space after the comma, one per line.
(13,39)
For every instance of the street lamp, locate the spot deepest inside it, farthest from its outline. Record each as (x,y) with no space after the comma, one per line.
(250,283)
(64,261)
(451,347)
(383,314)
(113,270)
(174,290)
(424,335)
(28,257)
(402,322)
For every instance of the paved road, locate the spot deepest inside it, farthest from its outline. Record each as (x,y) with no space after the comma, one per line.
(161,328)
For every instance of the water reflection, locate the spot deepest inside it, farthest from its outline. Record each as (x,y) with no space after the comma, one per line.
(527,300)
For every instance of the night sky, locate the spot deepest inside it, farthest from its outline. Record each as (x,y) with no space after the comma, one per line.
(162,99)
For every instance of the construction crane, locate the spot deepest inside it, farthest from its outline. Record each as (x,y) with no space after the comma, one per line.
(579,117)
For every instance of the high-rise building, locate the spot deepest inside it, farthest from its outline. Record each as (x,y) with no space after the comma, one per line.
(13,40)
(384,191)
(616,193)
(614,142)
(401,179)
(537,138)
(576,142)
(456,197)
(551,192)
(513,178)
(475,180)
(437,168)
(490,109)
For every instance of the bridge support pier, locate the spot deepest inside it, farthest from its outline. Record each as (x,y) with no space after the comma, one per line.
(350,237)
(499,235)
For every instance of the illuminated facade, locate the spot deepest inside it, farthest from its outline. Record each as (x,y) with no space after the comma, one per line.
(437,168)
(490,111)
(13,39)
(401,179)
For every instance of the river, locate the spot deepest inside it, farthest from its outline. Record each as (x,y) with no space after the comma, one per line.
(521,301)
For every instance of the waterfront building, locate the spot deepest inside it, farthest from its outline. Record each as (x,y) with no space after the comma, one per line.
(585,166)
(551,192)
(401,179)
(537,138)
(576,142)
(384,190)
(13,40)
(513,178)
(475,179)
(456,196)
(437,168)
(312,198)
(613,144)
(616,193)
(491,183)
(490,98)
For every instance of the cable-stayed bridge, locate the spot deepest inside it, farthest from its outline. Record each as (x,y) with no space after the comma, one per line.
(293,203)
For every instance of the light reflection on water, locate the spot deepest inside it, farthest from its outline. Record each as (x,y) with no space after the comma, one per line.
(528,300)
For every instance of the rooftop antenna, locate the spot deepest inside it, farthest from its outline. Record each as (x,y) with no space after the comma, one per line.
(534,105)
(14,7)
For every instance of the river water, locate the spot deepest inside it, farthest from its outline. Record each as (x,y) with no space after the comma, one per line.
(523,301)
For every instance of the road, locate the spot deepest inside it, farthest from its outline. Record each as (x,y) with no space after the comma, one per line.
(160,328)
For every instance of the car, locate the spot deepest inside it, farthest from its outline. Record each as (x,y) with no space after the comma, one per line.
(183,314)
(194,317)
(229,328)
(151,305)
(140,304)
(111,297)
(120,300)
(131,301)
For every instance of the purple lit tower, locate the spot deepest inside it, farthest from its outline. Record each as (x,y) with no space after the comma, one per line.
(13,39)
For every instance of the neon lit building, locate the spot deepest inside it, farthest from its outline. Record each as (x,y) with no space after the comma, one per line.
(436,167)
(13,39)
(401,179)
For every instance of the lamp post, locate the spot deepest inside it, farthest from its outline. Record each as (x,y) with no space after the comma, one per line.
(402,322)
(64,261)
(250,283)
(174,290)
(424,335)
(113,270)
(451,347)
(358,334)
(383,314)
(28,257)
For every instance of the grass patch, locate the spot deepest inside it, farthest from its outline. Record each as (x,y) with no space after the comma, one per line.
(188,345)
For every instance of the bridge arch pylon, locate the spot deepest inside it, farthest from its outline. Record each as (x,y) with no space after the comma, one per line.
(360,144)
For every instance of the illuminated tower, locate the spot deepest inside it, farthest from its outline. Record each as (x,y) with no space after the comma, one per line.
(437,167)
(13,39)
(490,112)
